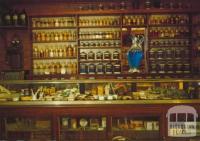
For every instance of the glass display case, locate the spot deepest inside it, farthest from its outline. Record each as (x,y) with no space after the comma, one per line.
(129,109)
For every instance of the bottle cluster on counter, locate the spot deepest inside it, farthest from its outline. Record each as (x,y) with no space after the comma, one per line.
(53,22)
(53,35)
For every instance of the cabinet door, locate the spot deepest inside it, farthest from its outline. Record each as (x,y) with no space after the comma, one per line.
(83,128)
(135,128)
(25,128)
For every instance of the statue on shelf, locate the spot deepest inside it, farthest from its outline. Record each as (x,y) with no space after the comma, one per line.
(135,53)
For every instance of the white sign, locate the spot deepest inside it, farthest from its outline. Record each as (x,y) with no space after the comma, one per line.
(180,128)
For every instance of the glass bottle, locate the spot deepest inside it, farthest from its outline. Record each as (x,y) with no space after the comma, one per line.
(116,55)
(15,18)
(99,55)
(83,68)
(91,55)
(100,68)
(23,17)
(91,68)
(107,55)
(109,68)
(117,68)
(83,56)
(7,18)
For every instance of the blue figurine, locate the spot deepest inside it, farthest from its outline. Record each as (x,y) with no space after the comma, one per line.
(135,54)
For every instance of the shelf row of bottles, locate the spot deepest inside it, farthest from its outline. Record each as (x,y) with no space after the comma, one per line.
(134,20)
(99,55)
(52,67)
(99,34)
(100,44)
(170,42)
(169,32)
(174,19)
(100,68)
(53,22)
(112,20)
(169,54)
(53,35)
(14,18)
(99,21)
(169,67)
(54,51)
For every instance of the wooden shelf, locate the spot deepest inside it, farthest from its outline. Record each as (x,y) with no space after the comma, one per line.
(170,38)
(49,28)
(55,76)
(169,46)
(53,41)
(109,26)
(97,61)
(49,58)
(169,25)
(134,26)
(13,27)
(102,47)
(97,39)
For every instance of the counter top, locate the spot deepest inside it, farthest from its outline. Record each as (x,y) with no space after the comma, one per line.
(95,103)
